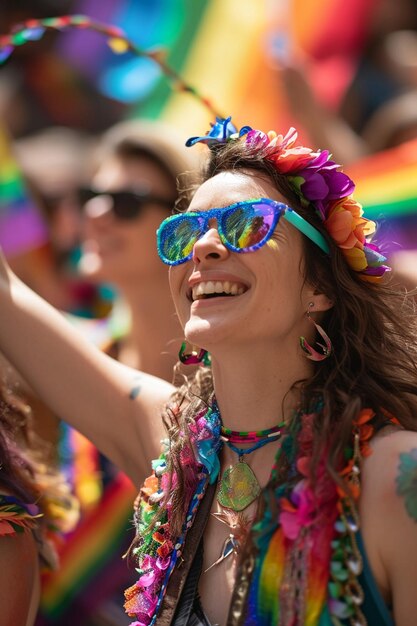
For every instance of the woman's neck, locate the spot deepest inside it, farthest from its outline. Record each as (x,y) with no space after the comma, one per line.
(155,334)
(253,385)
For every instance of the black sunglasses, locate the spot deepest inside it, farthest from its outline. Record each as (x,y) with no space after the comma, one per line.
(126,205)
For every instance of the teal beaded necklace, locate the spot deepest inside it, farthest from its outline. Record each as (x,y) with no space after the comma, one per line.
(239,486)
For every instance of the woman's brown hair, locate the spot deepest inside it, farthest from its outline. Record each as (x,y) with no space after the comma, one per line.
(25,467)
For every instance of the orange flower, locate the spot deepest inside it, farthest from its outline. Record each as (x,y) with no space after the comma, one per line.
(346,225)
(364,416)
(366,430)
(150,485)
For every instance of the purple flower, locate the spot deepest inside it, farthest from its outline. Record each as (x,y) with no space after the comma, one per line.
(162,564)
(147,579)
(314,186)
(255,139)
(323,183)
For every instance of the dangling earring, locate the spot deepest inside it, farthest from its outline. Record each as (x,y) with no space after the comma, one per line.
(193,357)
(309,351)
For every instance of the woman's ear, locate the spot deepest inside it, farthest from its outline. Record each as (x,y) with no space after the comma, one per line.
(321,302)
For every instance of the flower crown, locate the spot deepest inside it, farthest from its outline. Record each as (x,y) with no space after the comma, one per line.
(315,179)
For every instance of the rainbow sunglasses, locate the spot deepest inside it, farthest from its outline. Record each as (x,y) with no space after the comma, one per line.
(243,227)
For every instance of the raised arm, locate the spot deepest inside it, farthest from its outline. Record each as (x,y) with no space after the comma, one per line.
(117,408)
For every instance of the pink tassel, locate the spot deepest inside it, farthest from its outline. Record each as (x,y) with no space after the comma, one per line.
(310,352)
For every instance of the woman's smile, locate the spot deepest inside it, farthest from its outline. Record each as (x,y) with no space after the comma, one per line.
(211,285)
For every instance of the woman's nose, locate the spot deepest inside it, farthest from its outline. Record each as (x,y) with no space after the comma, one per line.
(99,208)
(209,246)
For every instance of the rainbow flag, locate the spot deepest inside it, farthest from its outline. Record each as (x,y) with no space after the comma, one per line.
(128,78)
(228,61)
(22,227)
(89,552)
(332,44)
(197,37)
(386,182)
(386,186)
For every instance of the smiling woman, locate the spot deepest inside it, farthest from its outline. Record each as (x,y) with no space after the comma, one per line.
(298,431)
(303,560)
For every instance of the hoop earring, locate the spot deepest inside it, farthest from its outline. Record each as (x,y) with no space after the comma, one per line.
(193,357)
(310,352)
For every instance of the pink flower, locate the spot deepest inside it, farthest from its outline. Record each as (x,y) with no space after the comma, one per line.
(292,160)
(256,139)
(147,579)
(297,513)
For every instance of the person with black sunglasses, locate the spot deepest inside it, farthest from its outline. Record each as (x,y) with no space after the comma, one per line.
(283,470)
(133,188)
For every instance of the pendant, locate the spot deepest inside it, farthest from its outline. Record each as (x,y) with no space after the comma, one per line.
(238,487)
(230,546)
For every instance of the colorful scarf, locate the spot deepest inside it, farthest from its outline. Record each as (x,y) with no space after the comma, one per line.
(306,563)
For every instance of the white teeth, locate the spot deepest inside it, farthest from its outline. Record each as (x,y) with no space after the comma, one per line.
(210,287)
(198,291)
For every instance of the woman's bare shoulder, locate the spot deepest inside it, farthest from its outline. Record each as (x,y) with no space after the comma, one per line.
(388,511)
(19,578)
(393,454)
(389,516)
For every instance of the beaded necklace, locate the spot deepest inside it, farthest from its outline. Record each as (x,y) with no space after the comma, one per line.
(239,486)
(249,436)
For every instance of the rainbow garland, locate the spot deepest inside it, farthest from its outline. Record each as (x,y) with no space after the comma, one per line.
(159,551)
(34,29)
(307,562)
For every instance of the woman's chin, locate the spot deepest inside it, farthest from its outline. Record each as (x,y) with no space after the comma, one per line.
(205,334)
(90,264)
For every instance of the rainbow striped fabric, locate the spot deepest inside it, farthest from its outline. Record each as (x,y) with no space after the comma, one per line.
(22,227)
(90,551)
(386,186)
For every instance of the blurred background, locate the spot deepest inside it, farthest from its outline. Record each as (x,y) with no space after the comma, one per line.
(347,79)
(78,120)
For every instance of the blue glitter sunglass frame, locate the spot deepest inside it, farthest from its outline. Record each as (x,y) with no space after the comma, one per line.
(243,226)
